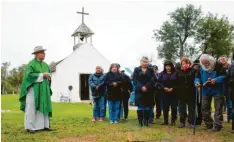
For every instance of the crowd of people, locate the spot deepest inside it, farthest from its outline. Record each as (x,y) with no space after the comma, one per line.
(185,89)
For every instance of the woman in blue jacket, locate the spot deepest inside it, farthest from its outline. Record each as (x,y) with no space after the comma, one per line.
(96,83)
(144,80)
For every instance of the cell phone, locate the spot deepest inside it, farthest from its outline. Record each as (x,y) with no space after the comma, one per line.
(204,84)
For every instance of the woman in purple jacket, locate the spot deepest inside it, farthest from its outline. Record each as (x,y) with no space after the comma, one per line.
(166,85)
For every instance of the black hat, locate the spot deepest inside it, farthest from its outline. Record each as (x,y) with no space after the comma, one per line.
(196,62)
(155,67)
(168,62)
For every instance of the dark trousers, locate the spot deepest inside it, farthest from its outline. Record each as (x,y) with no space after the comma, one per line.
(187,100)
(124,103)
(169,100)
(206,110)
(228,103)
(158,103)
(232,112)
(232,98)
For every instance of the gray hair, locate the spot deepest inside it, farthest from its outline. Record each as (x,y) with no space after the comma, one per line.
(207,57)
(144,58)
(210,59)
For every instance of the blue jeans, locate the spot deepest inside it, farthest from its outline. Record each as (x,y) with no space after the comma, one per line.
(99,107)
(132,97)
(151,113)
(114,110)
(227,93)
(121,110)
(143,108)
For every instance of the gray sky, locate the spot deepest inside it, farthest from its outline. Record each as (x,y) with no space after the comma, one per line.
(123,30)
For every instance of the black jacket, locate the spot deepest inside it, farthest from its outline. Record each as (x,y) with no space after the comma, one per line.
(148,80)
(126,86)
(185,82)
(231,75)
(114,93)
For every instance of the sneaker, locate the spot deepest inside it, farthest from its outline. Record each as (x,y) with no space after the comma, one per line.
(151,121)
(116,122)
(101,119)
(182,125)
(111,122)
(93,119)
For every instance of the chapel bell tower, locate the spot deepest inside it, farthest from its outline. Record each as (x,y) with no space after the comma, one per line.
(83,33)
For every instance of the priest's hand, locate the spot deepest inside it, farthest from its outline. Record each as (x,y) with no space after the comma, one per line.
(97,87)
(47,76)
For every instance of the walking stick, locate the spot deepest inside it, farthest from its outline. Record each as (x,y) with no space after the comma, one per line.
(195,110)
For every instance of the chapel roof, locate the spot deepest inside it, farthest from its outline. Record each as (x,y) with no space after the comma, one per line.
(83,29)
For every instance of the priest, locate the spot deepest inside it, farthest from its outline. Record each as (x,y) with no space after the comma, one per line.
(35,95)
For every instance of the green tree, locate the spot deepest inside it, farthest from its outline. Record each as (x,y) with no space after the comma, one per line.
(215,35)
(175,32)
(16,77)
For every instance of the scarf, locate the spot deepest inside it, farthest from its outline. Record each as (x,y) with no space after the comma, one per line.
(169,72)
(185,68)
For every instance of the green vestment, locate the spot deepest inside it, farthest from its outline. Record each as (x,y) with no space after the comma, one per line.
(42,91)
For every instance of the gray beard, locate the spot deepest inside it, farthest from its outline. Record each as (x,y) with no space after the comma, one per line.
(209,69)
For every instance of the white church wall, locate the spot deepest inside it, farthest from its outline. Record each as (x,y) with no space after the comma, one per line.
(82,61)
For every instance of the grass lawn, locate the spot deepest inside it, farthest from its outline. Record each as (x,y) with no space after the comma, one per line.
(72,123)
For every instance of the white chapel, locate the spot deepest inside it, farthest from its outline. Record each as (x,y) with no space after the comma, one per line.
(70,75)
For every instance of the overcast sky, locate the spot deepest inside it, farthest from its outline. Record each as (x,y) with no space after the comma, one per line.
(123,30)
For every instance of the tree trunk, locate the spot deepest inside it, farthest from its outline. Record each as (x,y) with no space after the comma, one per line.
(3,90)
(181,50)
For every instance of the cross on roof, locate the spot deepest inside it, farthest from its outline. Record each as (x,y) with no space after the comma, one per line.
(83,14)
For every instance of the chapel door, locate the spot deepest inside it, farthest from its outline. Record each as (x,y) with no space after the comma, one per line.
(84,87)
